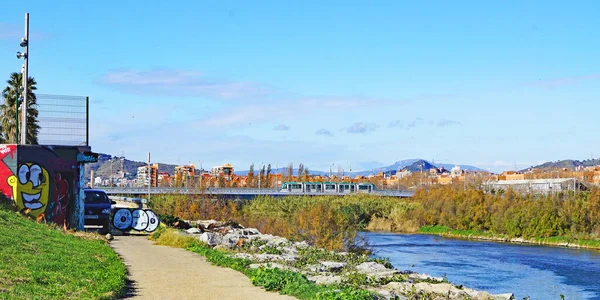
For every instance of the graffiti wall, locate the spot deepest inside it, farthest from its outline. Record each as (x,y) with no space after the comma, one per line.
(45,181)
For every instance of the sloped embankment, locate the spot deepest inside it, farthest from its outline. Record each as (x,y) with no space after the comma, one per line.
(38,261)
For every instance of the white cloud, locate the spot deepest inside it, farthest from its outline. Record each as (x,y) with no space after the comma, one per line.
(172,82)
(323,132)
(281,127)
(361,127)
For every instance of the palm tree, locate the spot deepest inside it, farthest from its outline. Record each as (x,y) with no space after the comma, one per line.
(7,110)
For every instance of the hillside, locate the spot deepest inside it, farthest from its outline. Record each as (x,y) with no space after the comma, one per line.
(568,164)
(108,164)
(40,262)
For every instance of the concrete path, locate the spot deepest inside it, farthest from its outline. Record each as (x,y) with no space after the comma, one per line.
(161,272)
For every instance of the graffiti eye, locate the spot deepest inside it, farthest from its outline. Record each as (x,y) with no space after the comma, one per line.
(23,174)
(35,175)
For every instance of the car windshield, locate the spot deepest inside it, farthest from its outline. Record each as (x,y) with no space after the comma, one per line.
(96,197)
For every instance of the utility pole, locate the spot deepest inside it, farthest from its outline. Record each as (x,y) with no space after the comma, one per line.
(398,178)
(201,174)
(149,174)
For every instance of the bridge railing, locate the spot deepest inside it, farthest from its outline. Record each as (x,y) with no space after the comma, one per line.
(238,191)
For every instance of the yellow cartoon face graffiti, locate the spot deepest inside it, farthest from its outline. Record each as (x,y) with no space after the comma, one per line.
(30,188)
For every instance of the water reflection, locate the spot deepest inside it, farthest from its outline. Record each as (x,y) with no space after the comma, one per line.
(535,271)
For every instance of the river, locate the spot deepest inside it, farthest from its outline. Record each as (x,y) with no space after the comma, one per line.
(524,270)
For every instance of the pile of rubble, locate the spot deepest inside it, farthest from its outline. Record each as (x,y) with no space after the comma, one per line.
(326,267)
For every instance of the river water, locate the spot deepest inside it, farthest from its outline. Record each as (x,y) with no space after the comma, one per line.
(535,271)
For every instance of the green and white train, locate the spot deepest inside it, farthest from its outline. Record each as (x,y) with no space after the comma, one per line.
(327,187)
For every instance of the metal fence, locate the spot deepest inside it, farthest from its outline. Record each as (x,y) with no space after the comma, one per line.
(63,120)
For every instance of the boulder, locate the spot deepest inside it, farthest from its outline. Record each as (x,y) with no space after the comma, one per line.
(301,245)
(272,266)
(446,290)
(290,257)
(230,240)
(325,279)
(244,256)
(377,270)
(417,276)
(289,250)
(250,231)
(194,231)
(264,257)
(273,240)
(332,266)
(211,238)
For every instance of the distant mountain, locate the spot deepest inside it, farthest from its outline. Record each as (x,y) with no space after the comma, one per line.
(418,166)
(415,165)
(567,163)
(108,164)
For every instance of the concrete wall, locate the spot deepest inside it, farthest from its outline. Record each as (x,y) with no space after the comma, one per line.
(46,182)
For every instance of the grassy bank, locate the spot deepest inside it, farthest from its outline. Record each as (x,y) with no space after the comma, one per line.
(38,261)
(487,236)
(282,281)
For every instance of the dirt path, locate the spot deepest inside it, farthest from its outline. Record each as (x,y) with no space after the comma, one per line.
(161,272)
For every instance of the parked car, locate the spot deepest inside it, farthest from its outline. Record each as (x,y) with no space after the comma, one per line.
(97,208)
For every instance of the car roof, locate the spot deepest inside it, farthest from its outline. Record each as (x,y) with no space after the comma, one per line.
(93,190)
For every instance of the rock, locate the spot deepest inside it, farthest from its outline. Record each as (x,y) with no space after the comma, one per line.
(377,270)
(244,256)
(194,231)
(388,295)
(272,266)
(506,296)
(332,266)
(211,238)
(273,240)
(290,257)
(289,250)
(108,237)
(231,240)
(264,257)
(417,276)
(209,223)
(325,279)
(250,231)
(301,245)
(446,290)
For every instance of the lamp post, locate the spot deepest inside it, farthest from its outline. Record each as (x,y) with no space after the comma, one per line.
(398,178)
(25,71)
(259,175)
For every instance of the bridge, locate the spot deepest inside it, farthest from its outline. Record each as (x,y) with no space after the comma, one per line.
(237,192)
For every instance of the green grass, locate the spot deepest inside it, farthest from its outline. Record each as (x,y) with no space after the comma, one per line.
(555,240)
(282,281)
(40,262)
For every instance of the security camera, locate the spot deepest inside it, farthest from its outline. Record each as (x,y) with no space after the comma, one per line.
(23,42)
(21,55)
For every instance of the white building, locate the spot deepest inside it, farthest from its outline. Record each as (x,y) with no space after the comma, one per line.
(455,172)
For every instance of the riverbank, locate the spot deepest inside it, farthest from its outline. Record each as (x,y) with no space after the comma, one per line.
(486,236)
(307,272)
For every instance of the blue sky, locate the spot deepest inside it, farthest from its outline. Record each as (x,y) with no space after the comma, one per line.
(355,84)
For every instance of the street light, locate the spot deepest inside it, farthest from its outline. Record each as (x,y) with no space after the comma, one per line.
(25,44)
(259,175)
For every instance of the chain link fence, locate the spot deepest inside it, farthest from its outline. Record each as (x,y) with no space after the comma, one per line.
(63,120)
